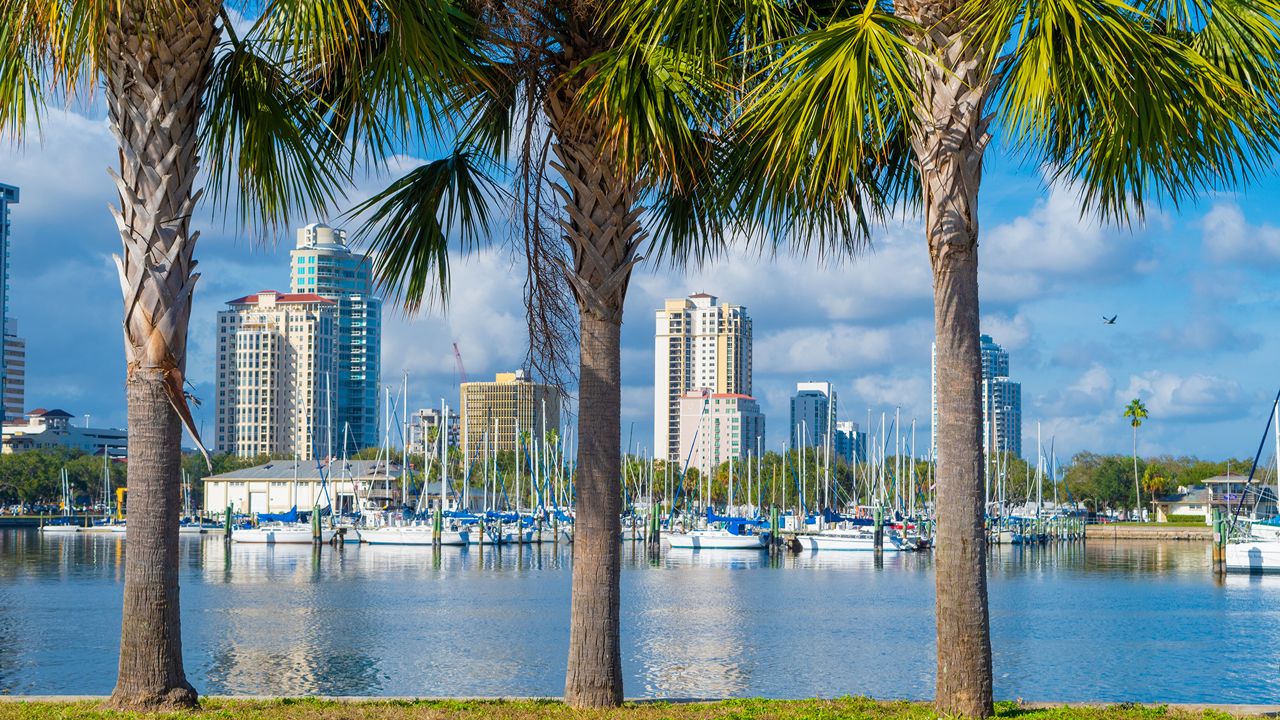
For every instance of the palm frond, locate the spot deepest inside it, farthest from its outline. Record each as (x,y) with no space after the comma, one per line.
(411,224)
(822,145)
(390,71)
(1121,103)
(46,49)
(266,147)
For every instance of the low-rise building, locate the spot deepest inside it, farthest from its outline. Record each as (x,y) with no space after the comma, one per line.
(717,426)
(1197,501)
(53,428)
(280,485)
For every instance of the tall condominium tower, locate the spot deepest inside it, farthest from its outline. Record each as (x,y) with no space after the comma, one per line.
(1001,402)
(323,264)
(700,345)
(495,414)
(813,414)
(13,350)
(276,355)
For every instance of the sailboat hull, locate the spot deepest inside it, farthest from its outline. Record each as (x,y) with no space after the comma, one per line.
(291,535)
(849,542)
(711,540)
(1261,556)
(412,536)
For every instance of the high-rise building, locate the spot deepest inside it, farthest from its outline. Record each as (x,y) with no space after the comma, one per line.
(850,442)
(494,414)
(1001,401)
(276,356)
(717,426)
(12,345)
(15,372)
(700,345)
(323,264)
(813,414)
(424,421)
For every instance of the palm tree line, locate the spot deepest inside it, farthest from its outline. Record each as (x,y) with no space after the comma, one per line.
(619,131)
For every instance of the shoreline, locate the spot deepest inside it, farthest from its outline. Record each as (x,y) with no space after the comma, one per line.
(320,707)
(1154,531)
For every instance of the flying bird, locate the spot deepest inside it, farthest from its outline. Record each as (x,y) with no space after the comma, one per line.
(1109,320)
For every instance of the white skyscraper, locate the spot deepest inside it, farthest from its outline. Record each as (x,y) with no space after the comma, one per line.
(1001,401)
(700,345)
(276,354)
(323,264)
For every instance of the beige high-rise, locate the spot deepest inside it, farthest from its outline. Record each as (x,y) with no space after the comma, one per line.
(493,412)
(276,351)
(700,346)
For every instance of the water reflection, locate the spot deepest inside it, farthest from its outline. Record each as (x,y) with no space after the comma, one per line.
(1103,621)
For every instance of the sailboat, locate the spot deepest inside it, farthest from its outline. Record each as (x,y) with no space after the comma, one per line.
(1259,554)
(66,523)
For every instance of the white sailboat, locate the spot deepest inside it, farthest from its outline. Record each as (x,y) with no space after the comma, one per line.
(64,524)
(278,533)
(855,539)
(714,539)
(416,534)
(1260,553)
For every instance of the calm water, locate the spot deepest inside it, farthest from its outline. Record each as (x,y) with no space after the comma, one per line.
(1112,622)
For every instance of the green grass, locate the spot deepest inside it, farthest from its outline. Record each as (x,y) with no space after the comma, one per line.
(837,709)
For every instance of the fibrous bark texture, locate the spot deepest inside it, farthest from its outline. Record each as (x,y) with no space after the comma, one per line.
(157,61)
(948,141)
(601,226)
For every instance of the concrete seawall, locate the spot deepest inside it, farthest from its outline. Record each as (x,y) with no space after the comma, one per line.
(1154,531)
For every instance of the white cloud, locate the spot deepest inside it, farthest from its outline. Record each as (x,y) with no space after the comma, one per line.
(1012,332)
(1228,237)
(1196,397)
(1031,254)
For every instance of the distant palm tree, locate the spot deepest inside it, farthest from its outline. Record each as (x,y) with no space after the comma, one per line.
(1136,412)
(177,92)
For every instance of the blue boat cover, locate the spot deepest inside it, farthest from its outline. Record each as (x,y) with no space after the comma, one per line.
(288,517)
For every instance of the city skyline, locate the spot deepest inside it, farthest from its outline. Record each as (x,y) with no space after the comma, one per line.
(1193,336)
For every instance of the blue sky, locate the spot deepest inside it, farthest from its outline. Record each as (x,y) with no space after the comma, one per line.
(1195,290)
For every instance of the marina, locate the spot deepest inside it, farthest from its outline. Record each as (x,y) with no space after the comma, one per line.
(1095,621)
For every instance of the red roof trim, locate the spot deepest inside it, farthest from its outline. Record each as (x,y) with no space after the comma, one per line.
(282,298)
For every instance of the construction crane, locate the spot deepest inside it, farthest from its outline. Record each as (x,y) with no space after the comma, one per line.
(462,370)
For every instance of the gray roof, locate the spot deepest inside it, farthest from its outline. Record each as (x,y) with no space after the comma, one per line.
(1195,494)
(306,470)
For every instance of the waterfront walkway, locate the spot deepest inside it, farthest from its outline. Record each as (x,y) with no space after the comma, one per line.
(1149,531)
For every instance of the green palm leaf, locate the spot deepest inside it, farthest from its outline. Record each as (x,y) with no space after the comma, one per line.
(410,225)
(267,148)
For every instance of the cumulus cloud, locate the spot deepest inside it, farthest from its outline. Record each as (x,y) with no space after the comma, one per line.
(1196,397)
(1030,254)
(1229,237)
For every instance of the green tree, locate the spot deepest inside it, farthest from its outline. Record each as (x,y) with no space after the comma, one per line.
(1136,412)
(1126,103)
(175,92)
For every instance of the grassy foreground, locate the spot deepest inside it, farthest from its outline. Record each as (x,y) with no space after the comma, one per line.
(837,709)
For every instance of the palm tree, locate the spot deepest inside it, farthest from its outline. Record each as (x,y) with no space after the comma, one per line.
(175,91)
(619,126)
(1129,103)
(1136,412)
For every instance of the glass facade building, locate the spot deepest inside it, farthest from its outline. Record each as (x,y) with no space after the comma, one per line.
(323,264)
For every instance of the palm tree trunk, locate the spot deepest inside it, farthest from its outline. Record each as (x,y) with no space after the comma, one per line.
(157,63)
(948,142)
(1137,490)
(601,225)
